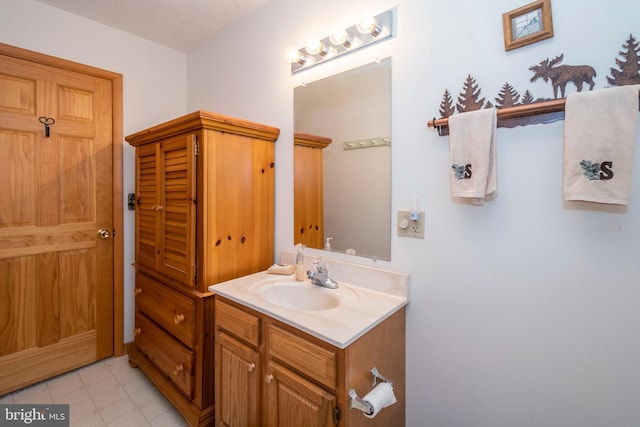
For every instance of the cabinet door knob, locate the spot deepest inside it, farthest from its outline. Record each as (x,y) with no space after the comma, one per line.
(137,291)
(179,369)
(252,367)
(136,331)
(160,207)
(268,379)
(178,319)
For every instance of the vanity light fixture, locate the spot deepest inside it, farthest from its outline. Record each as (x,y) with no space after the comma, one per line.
(342,41)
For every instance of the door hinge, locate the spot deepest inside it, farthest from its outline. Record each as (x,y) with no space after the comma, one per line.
(336,415)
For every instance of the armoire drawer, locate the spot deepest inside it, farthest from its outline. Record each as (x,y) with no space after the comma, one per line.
(307,358)
(173,311)
(173,358)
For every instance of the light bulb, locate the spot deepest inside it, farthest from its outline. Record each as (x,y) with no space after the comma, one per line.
(369,25)
(339,37)
(315,47)
(293,55)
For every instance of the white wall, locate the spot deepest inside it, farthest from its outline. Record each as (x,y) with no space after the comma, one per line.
(523,312)
(154,82)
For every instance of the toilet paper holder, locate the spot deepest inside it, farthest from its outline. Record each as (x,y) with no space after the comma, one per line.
(357,402)
(376,375)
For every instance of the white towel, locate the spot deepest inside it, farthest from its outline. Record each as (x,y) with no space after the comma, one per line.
(472,153)
(599,135)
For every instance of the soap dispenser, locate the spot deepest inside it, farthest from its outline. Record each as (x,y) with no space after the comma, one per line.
(327,244)
(300,275)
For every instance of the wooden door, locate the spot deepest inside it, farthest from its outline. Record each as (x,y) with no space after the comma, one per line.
(307,196)
(166,212)
(293,401)
(237,382)
(147,193)
(177,208)
(56,271)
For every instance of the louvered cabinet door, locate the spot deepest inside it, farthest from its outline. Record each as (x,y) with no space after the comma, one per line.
(148,194)
(177,208)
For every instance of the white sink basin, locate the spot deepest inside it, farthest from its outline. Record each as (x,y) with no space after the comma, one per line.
(303,295)
(300,297)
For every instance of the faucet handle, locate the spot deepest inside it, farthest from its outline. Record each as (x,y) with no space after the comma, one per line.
(319,265)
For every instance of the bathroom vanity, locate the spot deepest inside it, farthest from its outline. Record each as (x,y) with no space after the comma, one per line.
(290,353)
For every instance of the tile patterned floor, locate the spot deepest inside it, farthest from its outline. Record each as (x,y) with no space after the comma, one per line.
(106,393)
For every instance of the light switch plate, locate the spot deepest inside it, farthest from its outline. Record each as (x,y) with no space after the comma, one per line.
(408,227)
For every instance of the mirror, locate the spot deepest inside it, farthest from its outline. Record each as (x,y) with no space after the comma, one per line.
(342,162)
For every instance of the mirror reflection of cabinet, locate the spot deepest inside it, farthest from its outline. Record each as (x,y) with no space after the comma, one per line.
(308,217)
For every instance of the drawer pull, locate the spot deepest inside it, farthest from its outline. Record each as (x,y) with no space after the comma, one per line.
(137,291)
(268,379)
(179,369)
(178,319)
(136,331)
(252,367)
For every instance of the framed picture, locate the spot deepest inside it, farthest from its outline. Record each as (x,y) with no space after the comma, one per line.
(527,24)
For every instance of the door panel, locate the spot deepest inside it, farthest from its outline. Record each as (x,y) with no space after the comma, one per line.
(56,274)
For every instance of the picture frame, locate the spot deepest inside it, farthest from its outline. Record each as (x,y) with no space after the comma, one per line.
(528,24)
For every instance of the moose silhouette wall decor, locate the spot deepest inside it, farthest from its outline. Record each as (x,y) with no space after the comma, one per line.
(560,75)
(470,98)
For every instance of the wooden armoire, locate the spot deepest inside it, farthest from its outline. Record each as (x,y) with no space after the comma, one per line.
(204,214)
(308,214)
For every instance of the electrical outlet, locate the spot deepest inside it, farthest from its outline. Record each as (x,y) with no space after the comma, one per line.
(408,227)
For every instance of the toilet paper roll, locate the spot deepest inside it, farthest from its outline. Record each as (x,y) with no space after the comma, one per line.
(379,398)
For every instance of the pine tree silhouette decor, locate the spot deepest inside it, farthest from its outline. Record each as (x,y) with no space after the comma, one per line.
(508,96)
(629,66)
(468,99)
(527,98)
(446,106)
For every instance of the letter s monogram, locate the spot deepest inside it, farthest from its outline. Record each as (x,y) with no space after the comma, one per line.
(467,171)
(605,170)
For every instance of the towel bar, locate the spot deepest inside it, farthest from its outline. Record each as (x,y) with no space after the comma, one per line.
(533,109)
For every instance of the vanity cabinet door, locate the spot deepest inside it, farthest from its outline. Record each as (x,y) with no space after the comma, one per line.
(293,401)
(237,383)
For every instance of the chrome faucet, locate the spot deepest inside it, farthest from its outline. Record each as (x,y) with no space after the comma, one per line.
(320,275)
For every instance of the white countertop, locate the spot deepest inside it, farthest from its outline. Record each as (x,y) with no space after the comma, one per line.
(360,308)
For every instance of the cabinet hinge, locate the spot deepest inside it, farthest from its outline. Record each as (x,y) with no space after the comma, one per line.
(195,273)
(196,148)
(336,415)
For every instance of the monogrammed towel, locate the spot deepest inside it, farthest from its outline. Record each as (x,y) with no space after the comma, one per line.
(599,136)
(472,153)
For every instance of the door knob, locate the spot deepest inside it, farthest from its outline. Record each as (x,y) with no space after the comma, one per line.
(103,234)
